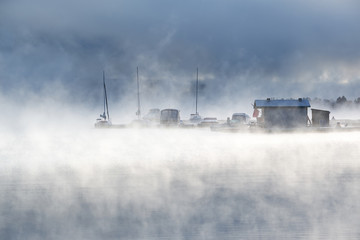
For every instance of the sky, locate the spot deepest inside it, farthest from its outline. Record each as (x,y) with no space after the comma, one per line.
(244,50)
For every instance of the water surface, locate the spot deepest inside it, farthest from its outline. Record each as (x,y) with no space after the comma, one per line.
(178,184)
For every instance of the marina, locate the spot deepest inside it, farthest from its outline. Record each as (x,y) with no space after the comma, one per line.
(270,115)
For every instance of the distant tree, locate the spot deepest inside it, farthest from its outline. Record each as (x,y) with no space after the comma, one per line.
(328,102)
(357,101)
(341,100)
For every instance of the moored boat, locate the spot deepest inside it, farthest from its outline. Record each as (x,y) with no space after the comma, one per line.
(104,120)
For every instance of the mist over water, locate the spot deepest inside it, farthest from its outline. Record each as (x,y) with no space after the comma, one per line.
(62,179)
(85,183)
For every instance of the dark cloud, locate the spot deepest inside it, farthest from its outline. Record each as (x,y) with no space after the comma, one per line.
(247,48)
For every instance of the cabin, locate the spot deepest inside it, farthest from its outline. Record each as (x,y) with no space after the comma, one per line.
(320,118)
(208,122)
(153,115)
(169,117)
(281,113)
(240,118)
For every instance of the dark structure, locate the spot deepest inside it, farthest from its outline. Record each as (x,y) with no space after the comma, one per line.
(281,113)
(320,118)
(169,117)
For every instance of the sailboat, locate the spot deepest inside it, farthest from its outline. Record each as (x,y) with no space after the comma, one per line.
(195,117)
(139,122)
(104,120)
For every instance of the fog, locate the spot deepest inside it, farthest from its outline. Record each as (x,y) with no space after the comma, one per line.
(63,179)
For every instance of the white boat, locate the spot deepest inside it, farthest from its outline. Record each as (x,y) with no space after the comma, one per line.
(151,119)
(153,116)
(238,119)
(104,120)
(195,118)
(238,122)
(208,122)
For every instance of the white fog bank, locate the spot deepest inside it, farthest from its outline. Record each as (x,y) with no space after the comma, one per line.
(88,183)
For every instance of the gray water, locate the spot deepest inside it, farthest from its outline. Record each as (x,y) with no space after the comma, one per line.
(178,184)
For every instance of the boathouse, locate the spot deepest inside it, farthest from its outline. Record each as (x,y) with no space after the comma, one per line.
(281,113)
(320,118)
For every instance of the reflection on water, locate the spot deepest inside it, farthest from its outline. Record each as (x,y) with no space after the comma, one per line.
(179,184)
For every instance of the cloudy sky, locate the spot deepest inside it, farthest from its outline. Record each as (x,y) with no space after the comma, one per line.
(244,49)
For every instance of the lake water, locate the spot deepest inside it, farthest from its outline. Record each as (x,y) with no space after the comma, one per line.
(178,184)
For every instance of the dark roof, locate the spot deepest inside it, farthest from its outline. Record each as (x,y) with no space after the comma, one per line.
(301,102)
(170,109)
(319,110)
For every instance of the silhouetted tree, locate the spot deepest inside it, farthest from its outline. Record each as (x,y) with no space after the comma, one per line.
(357,101)
(341,100)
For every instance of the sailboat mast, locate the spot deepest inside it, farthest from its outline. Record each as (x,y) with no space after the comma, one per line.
(138,93)
(197,86)
(105,98)
(104,93)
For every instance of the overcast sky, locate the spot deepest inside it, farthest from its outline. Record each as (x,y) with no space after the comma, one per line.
(244,49)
